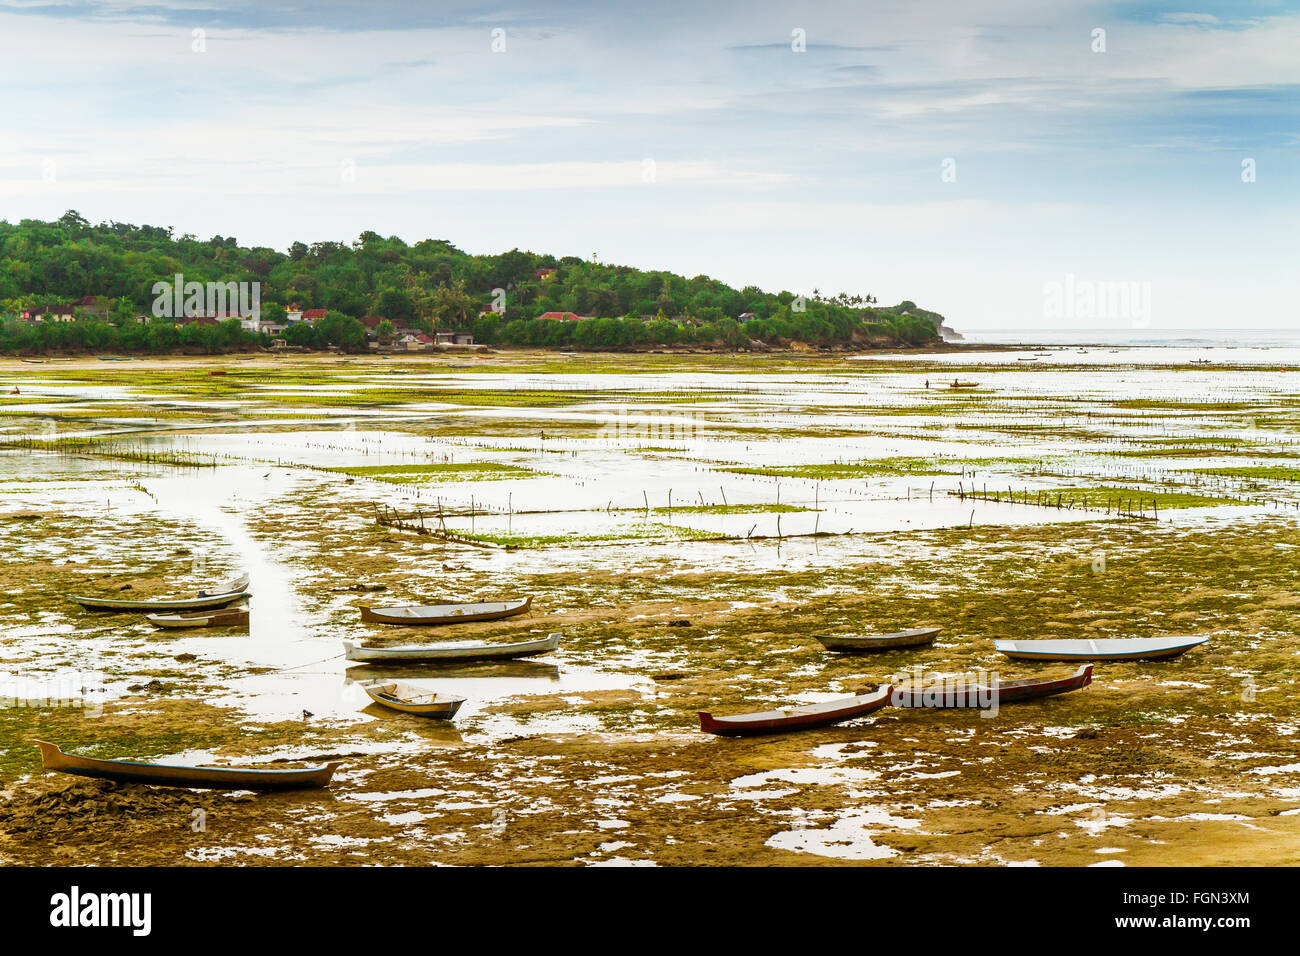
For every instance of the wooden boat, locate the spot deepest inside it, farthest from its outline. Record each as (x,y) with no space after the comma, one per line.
(803,717)
(204,778)
(410,699)
(957,384)
(1105,649)
(446,613)
(858,644)
(451,652)
(522,669)
(202,601)
(226,617)
(997,693)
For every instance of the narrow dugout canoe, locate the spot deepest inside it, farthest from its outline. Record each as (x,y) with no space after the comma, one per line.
(524,669)
(446,613)
(202,778)
(202,601)
(995,693)
(855,644)
(410,699)
(803,717)
(1105,649)
(229,617)
(451,652)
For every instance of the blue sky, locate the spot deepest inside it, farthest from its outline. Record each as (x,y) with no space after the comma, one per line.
(692,137)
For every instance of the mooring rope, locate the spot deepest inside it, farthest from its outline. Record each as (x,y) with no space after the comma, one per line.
(294,667)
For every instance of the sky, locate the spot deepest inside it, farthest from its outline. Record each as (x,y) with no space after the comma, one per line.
(984,158)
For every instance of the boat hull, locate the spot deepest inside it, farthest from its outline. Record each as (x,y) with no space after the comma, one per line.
(203,601)
(446,613)
(220,618)
(210,602)
(466,652)
(791,719)
(986,696)
(867,644)
(196,778)
(382,693)
(1110,649)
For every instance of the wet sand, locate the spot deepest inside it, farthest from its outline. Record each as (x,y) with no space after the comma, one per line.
(593,754)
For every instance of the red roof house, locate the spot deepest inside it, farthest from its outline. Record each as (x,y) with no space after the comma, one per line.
(313,315)
(564,316)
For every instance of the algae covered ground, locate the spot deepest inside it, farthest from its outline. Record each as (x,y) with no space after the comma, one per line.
(687,523)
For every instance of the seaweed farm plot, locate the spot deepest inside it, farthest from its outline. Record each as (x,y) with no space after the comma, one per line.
(686,527)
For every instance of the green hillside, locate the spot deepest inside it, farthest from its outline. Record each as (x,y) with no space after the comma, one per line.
(428,285)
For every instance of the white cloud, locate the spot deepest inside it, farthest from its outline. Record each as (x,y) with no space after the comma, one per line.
(253,178)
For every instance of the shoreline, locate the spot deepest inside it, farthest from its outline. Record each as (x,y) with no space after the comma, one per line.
(799,350)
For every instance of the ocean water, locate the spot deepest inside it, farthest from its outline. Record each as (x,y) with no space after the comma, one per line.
(1134,337)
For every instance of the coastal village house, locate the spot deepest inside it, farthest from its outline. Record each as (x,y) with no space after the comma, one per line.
(91,306)
(451,337)
(250,324)
(414,341)
(50,312)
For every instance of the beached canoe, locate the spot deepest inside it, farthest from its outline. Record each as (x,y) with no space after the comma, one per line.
(865,643)
(226,617)
(523,669)
(451,652)
(168,775)
(446,613)
(803,717)
(1105,649)
(410,699)
(990,693)
(202,601)
(964,385)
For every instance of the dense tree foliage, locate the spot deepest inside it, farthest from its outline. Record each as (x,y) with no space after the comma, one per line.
(428,285)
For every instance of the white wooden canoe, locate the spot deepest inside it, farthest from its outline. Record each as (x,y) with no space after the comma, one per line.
(451,652)
(202,601)
(1105,649)
(410,699)
(225,617)
(446,613)
(854,643)
(171,775)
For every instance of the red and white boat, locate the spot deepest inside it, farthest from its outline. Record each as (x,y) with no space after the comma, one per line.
(803,717)
(990,694)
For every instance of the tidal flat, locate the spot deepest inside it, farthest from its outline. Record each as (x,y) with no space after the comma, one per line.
(687,522)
